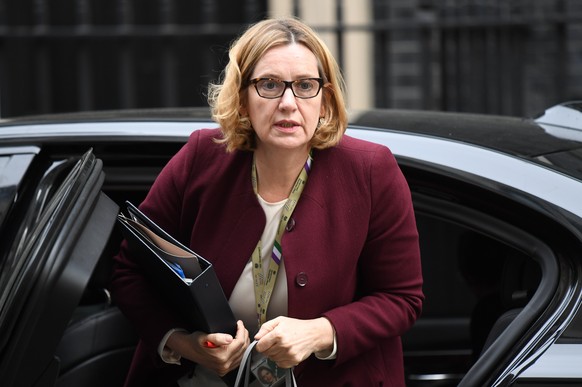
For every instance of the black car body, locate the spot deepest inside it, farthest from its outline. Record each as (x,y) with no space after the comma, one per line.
(498,202)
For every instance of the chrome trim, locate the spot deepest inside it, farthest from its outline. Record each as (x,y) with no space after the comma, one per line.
(435,377)
(104,129)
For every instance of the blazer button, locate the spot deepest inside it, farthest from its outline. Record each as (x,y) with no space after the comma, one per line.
(301,279)
(290,224)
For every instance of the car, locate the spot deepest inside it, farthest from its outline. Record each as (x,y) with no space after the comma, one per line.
(497,202)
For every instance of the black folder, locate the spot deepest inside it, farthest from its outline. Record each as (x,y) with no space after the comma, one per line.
(198,297)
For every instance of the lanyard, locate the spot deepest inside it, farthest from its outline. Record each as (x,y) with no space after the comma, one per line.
(264,286)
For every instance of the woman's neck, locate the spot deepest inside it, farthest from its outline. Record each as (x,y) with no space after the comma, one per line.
(277,173)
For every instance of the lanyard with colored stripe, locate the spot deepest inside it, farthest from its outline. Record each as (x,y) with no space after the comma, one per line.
(264,286)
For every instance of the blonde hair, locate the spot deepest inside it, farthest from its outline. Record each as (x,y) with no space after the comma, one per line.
(227,97)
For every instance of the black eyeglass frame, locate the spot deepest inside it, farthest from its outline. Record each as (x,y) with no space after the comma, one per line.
(288,85)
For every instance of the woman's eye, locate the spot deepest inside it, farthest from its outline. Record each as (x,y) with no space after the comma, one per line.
(305,85)
(270,85)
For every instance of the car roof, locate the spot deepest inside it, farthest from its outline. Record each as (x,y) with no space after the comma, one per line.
(523,137)
(554,138)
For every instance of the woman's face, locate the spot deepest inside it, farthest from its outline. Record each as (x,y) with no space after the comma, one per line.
(287,122)
(266,376)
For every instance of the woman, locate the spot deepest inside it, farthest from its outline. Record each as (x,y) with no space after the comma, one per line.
(279,189)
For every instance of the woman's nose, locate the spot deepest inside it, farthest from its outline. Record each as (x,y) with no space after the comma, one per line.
(288,99)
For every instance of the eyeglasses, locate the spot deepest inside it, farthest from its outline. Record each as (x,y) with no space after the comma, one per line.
(274,88)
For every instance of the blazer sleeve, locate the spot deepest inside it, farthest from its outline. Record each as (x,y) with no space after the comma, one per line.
(131,290)
(389,291)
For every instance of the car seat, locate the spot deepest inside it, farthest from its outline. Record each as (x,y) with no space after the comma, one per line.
(520,279)
(98,344)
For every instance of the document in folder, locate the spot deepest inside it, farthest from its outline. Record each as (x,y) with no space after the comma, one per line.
(184,278)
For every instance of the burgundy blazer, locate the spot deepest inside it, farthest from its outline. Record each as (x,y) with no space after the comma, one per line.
(351,254)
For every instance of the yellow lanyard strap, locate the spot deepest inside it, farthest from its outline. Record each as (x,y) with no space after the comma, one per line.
(264,286)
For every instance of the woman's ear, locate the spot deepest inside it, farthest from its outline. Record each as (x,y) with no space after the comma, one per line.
(242,111)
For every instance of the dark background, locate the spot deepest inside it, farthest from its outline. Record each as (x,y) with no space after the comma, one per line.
(512,57)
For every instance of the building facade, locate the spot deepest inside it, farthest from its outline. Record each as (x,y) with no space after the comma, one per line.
(512,57)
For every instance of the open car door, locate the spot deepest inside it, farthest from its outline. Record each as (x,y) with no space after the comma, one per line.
(55,223)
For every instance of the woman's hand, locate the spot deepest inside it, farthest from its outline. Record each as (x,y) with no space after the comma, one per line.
(218,352)
(289,341)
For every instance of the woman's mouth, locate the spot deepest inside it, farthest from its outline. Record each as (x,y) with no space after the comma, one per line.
(287,124)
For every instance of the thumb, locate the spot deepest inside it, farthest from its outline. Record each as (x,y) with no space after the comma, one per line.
(216,340)
(267,327)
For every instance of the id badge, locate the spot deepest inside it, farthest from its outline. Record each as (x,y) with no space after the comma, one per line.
(266,372)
